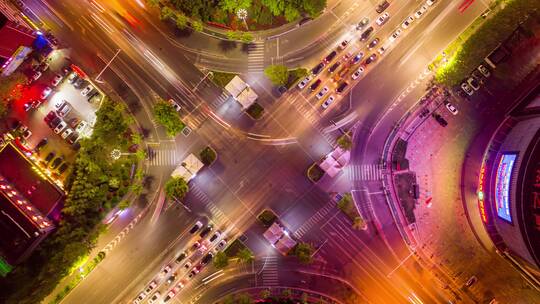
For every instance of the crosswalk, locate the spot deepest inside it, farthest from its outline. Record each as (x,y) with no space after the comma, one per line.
(195,120)
(365,172)
(256,56)
(270,272)
(314,219)
(217,215)
(162,154)
(220,100)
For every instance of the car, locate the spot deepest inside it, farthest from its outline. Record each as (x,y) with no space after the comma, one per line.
(484,70)
(467,89)
(333,67)
(187,265)
(370,59)
(346,56)
(207,258)
(72,77)
(315,85)
(171,294)
(154,298)
(64,110)
(66,70)
(471,281)
(215,236)
(174,104)
(206,231)
(45,93)
(50,116)
(195,227)
(74,121)
(382,19)
(56,162)
(180,257)
(151,286)
(328,102)
(342,72)
(26,134)
(341,87)
(54,122)
(166,270)
(451,108)
(373,43)
(430,2)
(60,127)
(73,138)
(197,244)
(358,73)
(420,12)
(221,245)
(440,119)
(395,35)
(43,66)
(407,22)
(56,80)
(35,76)
(473,83)
(478,76)
(317,69)
(63,168)
(49,157)
(365,35)
(322,92)
(171,279)
(139,298)
(81,126)
(356,59)
(382,49)
(382,7)
(79,83)
(330,56)
(343,45)
(87,90)
(304,82)
(66,133)
(59,103)
(42,143)
(362,23)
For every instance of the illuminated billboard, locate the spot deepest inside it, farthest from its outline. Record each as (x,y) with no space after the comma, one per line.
(502,185)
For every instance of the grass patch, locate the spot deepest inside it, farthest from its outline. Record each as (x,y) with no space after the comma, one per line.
(315,173)
(256,111)
(235,247)
(267,217)
(295,76)
(221,78)
(208,155)
(346,205)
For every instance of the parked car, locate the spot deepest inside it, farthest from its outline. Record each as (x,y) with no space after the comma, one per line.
(81,126)
(317,69)
(56,162)
(73,138)
(341,87)
(365,35)
(60,127)
(154,298)
(72,77)
(440,119)
(328,102)
(304,82)
(362,23)
(64,110)
(63,168)
(315,85)
(66,133)
(195,227)
(50,116)
(420,12)
(87,90)
(357,58)
(166,270)
(407,22)
(56,80)
(370,59)
(358,73)
(343,44)
(330,56)
(180,257)
(334,66)
(54,122)
(382,7)
(473,83)
(451,108)
(49,157)
(45,93)
(373,43)
(221,245)
(42,143)
(430,2)
(206,231)
(79,83)
(467,89)
(215,236)
(395,35)
(26,134)
(382,19)
(322,92)
(35,76)
(484,70)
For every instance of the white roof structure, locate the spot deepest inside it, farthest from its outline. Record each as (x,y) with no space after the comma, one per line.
(285,244)
(188,168)
(273,233)
(241,91)
(335,161)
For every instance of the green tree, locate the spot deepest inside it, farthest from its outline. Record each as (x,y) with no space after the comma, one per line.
(167,13)
(314,7)
(221,260)
(197,25)
(243,298)
(303,252)
(277,7)
(153,3)
(124,204)
(286,293)
(345,141)
(232,6)
(208,155)
(291,13)
(140,154)
(234,35)
(166,115)
(244,255)
(176,187)
(181,20)
(136,138)
(246,37)
(278,74)
(265,294)
(111,123)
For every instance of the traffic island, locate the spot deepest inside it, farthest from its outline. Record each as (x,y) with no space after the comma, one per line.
(404,183)
(208,156)
(221,79)
(255,111)
(315,173)
(267,217)
(346,205)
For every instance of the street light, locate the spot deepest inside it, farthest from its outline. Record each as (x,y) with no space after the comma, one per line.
(242,14)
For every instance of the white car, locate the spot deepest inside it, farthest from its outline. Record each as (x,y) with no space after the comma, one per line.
(343,44)
(81,126)
(61,126)
(166,270)
(221,245)
(407,22)
(357,73)
(56,80)
(328,102)
(382,19)
(154,298)
(467,89)
(420,12)
(382,49)
(150,287)
(450,107)
(45,93)
(87,90)
(483,70)
(322,92)
(395,35)
(430,2)
(67,132)
(174,104)
(304,82)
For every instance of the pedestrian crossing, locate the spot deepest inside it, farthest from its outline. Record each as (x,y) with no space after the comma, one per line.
(365,172)
(256,56)
(162,157)
(220,100)
(270,272)
(216,214)
(194,120)
(11,13)
(314,219)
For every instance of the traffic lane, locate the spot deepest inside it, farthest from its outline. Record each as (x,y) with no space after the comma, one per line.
(131,262)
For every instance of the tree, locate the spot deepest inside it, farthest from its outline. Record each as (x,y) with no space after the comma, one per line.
(111,122)
(197,25)
(124,204)
(314,7)
(265,294)
(303,252)
(166,115)
(345,141)
(278,74)
(208,155)
(246,37)
(221,260)
(244,255)
(233,35)
(153,3)
(275,6)
(166,13)
(181,20)
(232,6)
(176,187)
(291,13)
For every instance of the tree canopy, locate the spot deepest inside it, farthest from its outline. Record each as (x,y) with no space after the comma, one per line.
(176,187)
(278,74)
(303,252)
(221,260)
(167,116)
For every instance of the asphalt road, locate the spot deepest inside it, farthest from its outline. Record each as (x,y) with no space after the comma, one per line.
(150,63)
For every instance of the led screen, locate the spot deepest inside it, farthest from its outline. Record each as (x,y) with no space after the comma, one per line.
(502,186)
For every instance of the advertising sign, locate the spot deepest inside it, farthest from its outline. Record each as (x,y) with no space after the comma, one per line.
(502,186)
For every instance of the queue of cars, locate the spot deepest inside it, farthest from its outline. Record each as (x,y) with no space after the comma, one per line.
(187,264)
